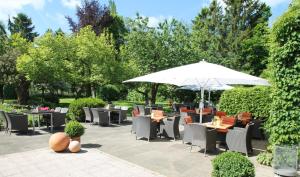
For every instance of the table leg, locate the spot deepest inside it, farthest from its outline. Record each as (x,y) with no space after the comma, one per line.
(119,117)
(39,122)
(33,125)
(109,117)
(51,122)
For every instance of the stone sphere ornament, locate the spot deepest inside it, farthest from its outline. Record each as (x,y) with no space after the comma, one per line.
(59,142)
(74,146)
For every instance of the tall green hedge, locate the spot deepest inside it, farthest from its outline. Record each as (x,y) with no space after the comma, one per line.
(75,108)
(283,124)
(246,99)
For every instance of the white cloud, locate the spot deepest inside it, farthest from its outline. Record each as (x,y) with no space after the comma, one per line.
(154,21)
(72,4)
(274,3)
(12,7)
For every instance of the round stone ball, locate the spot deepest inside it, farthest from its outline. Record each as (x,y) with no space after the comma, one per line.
(74,146)
(59,142)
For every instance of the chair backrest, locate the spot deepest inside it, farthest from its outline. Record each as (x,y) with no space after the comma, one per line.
(220,113)
(176,121)
(87,112)
(125,108)
(3,119)
(95,114)
(64,110)
(199,134)
(57,109)
(8,123)
(135,112)
(248,129)
(141,109)
(188,120)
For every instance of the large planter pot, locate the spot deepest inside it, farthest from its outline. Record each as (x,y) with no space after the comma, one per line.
(75,139)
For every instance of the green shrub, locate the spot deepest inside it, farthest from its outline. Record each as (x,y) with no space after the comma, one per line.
(232,164)
(9,92)
(75,108)
(247,99)
(74,129)
(133,95)
(110,93)
(265,158)
(283,124)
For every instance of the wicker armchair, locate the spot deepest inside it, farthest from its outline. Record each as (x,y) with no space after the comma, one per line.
(88,114)
(187,133)
(239,139)
(59,119)
(145,128)
(100,116)
(18,122)
(169,127)
(203,137)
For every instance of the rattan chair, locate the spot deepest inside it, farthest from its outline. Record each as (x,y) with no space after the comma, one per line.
(239,139)
(169,127)
(203,137)
(145,128)
(88,114)
(18,122)
(100,116)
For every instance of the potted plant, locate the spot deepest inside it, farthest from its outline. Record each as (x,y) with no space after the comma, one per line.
(74,130)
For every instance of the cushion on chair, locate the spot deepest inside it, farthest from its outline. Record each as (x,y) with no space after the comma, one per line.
(220,114)
(135,113)
(228,121)
(207,110)
(188,120)
(244,117)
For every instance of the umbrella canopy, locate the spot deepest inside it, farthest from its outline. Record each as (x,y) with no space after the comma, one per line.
(212,88)
(202,75)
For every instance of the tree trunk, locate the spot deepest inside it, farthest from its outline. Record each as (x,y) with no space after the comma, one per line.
(154,89)
(88,90)
(1,93)
(22,90)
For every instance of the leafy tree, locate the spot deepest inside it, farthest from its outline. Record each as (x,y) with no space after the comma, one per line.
(93,14)
(225,36)
(21,29)
(22,24)
(154,49)
(283,124)
(45,61)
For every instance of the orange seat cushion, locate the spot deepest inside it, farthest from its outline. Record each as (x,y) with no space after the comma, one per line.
(158,113)
(207,110)
(220,113)
(245,117)
(135,113)
(188,120)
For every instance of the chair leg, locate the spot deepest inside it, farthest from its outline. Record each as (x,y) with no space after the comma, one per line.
(191,148)
(205,152)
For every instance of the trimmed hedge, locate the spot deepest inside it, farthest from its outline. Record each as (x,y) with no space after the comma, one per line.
(76,107)
(252,99)
(232,164)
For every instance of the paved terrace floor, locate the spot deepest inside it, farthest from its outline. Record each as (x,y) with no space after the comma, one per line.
(166,157)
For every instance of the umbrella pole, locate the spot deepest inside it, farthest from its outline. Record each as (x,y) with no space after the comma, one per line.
(209,96)
(201,104)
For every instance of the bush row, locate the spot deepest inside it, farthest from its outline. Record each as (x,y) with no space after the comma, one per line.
(75,108)
(252,99)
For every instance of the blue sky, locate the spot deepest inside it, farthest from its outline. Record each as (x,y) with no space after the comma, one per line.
(51,13)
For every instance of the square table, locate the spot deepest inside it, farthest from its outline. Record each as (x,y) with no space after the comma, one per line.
(38,113)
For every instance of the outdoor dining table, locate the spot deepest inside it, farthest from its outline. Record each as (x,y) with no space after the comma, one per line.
(217,127)
(38,114)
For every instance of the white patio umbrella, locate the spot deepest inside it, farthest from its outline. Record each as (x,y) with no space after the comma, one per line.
(201,74)
(209,89)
